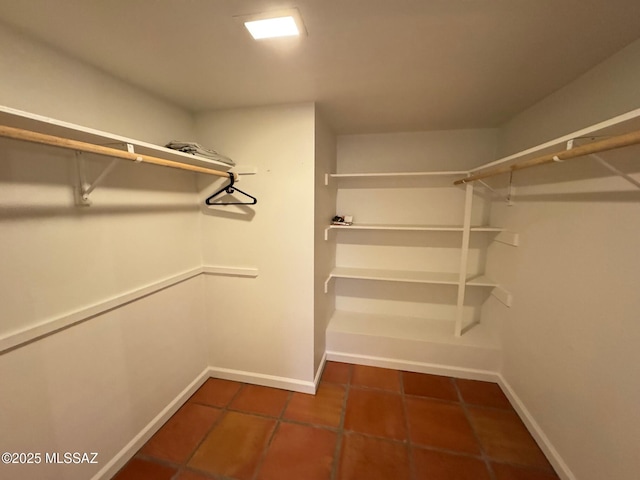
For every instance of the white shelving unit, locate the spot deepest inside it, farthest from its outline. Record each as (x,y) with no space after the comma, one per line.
(388,335)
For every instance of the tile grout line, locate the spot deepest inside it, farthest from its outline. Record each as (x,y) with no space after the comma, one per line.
(279,420)
(340,438)
(223,412)
(182,466)
(412,467)
(485,458)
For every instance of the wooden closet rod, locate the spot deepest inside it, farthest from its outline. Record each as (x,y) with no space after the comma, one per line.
(611,143)
(35,137)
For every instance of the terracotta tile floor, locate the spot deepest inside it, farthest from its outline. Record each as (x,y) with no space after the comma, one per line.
(364,423)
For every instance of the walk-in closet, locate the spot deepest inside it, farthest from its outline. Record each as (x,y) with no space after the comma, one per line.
(396,240)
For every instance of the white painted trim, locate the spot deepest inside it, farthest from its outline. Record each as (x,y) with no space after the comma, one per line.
(244,170)
(561,468)
(316,380)
(263,379)
(123,456)
(231,271)
(410,366)
(49,326)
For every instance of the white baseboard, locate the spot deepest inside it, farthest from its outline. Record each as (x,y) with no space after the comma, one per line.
(123,456)
(316,379)
(410,366)
(536,431)
(263,379)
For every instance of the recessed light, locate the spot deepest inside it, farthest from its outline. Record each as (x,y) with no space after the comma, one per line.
(274,24)
(273,27)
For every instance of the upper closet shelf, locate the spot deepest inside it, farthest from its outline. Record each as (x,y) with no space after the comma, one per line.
(617,132)
(394,174)
(37,123)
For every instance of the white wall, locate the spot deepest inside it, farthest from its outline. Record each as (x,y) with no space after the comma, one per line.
(94,386)
(324,250)
(408,200)
(38,79)
(263,326)
(605,91)
(571,338)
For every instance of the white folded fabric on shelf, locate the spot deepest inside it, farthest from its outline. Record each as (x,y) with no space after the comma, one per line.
(197,149)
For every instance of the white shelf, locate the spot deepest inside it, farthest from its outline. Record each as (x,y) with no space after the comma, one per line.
(411,228)
(398,174)
(480,281)
(409,343)
(38,123)
(406,276)
(614,126)
(364,175)
(408,328)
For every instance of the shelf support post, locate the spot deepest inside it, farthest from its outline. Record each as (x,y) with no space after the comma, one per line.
(464,255)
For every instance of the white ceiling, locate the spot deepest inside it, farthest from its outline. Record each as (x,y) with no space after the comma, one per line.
(372,65)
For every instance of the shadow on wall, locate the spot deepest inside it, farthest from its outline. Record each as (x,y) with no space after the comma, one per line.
(44,211)
(235,212)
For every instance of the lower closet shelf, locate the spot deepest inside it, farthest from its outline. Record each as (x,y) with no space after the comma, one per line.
(411,340)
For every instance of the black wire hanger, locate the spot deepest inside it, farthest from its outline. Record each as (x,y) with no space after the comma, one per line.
(229,189)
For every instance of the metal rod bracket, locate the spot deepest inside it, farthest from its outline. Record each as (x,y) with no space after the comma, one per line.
(615,170)
(84,188)
(508,198)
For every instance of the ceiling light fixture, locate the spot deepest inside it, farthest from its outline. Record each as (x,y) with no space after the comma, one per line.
(272,28)
(282,23)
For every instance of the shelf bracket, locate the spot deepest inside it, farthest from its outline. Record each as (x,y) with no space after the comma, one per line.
(508,198)
(502,295)
(326,283)
(508,238)
(84,188)
(613,169)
